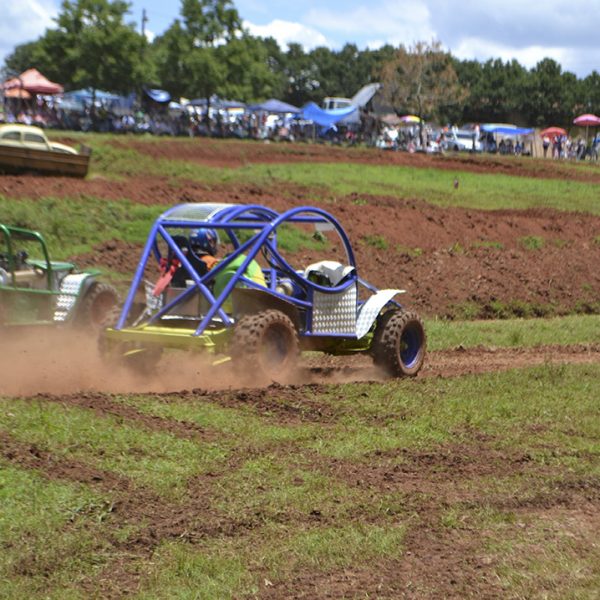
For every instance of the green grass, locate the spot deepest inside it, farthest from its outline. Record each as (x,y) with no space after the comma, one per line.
(375,241)
(331,181)
(48,535)
(154,459)
(285,503)
(482,191)
(74,226)
(225,568)
(532,242)
(578,329)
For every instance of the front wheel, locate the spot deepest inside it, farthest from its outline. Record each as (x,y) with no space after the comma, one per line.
(399,343)
(265,346)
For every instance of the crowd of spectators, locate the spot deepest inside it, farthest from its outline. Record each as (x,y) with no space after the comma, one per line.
(239,123)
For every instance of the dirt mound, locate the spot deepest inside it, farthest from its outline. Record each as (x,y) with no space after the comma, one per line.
(453,262)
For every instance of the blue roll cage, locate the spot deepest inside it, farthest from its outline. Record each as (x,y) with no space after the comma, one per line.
(229,219)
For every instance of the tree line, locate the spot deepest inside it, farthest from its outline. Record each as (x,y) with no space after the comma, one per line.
(206,51)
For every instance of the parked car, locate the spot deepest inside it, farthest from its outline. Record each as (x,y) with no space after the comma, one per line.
(461,139)
(28,136)
(26,148)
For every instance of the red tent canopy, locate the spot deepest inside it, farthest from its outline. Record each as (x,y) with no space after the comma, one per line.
(33,82)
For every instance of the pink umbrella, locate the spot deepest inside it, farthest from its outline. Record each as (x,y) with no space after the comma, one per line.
(586,120)
(553,132)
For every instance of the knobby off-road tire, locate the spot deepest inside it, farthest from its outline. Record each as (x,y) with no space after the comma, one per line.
(399,343)
(116,355)
(96,305)
(265,347)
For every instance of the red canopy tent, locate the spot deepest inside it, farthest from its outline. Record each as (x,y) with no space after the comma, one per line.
(33,82)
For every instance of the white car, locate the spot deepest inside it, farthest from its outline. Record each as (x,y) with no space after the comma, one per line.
(27,136)
(461,139)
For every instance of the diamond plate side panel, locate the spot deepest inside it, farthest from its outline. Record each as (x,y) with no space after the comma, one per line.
(335,313)
(153,303)
(69,292)
(371,308)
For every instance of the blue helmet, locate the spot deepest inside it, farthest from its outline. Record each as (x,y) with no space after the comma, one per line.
(204,241)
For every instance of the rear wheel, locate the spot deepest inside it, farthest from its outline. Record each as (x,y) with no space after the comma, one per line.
(399,343)
(97,303)
(265,346)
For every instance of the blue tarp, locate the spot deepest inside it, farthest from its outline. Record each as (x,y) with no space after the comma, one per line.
(217,103)
(505,129)
(85,95)
(274,106)
(326,118)
(160,96)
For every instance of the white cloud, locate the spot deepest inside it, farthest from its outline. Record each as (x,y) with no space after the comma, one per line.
(483,49)
(396,23)
(285,32)
(24,21)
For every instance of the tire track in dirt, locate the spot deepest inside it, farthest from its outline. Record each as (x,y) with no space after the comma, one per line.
(103,405)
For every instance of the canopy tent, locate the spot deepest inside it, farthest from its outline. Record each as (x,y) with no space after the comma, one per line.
(217,103)
(326,118)
(33,82)
(274,106)
(505,129)
(86,95)
(159,96)
(17,93)
(77,100)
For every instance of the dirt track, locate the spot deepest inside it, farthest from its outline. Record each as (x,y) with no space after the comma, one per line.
(452,261)
(63,363)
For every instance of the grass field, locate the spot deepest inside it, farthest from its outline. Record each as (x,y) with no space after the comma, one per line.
(439,487)
(304,485)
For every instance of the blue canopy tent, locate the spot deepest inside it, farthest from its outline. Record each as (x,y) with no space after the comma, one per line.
(274,106)
(505,129)
(218,103)
(326,118)
(159,96)
(78,99)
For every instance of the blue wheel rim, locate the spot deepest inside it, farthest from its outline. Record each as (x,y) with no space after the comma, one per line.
(411,342)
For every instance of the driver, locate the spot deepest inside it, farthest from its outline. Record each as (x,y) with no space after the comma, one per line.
(204,244)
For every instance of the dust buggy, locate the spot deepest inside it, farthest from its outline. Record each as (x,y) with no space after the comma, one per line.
(260,323)
(39,291)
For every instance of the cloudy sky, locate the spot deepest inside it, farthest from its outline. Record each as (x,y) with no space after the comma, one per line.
(568,31)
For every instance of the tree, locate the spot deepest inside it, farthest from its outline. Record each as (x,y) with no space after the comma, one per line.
(91,46)
(249,70)
(102,51)
(208,21)
(421,80)
(550,95)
